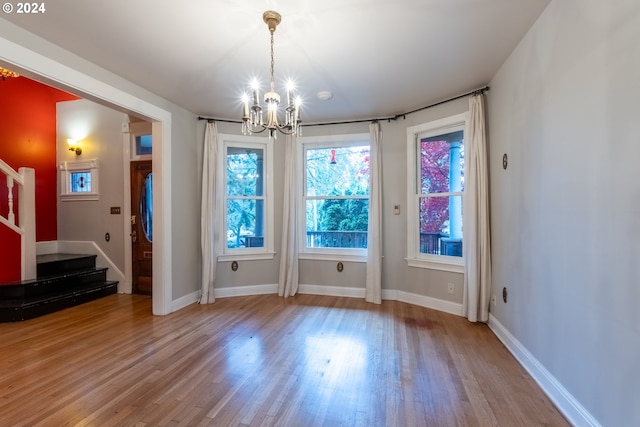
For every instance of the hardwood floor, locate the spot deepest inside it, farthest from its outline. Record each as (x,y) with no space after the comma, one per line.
(262,361)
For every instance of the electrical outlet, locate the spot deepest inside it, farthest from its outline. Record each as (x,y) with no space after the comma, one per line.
(493,300)
(451,288)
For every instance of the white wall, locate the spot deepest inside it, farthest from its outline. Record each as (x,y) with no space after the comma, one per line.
(566,212)
(90,220)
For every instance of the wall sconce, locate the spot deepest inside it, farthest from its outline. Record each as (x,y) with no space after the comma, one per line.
(74,146)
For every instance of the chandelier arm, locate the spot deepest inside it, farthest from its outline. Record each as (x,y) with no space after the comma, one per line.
(261,130)
(287,130)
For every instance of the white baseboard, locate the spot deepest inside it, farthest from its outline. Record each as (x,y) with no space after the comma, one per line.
(49,247)
(423,301)
(184,301)
(334,291)
(85,247)
(337,291)
(240,291)
(387,294)
(566,403)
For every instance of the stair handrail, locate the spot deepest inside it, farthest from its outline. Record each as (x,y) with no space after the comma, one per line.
(26,227)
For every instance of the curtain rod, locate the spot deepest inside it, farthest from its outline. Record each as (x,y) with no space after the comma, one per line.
(388,119)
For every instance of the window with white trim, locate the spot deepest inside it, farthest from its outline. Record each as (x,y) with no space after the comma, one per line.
(435,163)
(141,143)
(335,200)
(79,180)
(247,188)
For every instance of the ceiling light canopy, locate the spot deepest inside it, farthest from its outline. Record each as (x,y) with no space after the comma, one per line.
(252,119)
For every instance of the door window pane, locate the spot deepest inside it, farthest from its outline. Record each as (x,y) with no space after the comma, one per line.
(146,207)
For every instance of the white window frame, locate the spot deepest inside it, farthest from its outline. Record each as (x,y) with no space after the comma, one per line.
(253,253)
(414,257)
(139,129)
(326,254)
(67,169)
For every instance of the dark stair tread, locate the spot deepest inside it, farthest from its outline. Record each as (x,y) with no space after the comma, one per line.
(48,265)
(18,310)
(40,259)
(57,295)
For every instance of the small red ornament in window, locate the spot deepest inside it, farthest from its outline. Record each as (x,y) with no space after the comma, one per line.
(333,157)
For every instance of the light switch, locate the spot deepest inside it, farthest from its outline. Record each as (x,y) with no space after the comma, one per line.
(396,209)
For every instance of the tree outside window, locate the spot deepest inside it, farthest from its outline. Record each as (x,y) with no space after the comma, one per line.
(440,184)
(336,196)
(245,197)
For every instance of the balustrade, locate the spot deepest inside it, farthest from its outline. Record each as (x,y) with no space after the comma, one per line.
(24,179)
(336,239)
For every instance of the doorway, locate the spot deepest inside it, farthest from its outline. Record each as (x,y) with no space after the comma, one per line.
(141,227)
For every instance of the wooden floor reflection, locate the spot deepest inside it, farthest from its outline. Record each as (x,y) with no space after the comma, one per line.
(262,361)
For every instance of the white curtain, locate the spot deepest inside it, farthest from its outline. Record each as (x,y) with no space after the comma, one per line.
(476,241)
(373,287)
(288,277)
(210,212)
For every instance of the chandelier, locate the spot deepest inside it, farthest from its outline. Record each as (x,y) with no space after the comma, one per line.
(4,73)
(252,120)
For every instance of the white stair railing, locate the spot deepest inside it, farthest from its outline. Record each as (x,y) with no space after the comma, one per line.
(26,226)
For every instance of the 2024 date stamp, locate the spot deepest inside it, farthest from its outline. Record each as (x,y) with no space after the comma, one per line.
(31,8)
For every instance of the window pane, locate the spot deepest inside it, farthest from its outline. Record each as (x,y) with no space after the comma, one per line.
(81,182)
(245,171)
(245,223)
(144,145)
(441,163)
(337,223)
(441,225)
(337,171)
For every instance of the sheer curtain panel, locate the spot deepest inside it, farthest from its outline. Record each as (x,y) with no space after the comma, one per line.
(373,286)
(476,241)
(210,210)
(288,277)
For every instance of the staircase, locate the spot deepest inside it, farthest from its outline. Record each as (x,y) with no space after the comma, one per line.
(63,280)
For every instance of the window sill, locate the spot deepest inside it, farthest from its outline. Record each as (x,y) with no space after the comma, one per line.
(254,256)
(74,197)
(332,257)
(453,266)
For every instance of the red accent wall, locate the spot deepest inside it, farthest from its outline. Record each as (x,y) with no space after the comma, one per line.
(28,139)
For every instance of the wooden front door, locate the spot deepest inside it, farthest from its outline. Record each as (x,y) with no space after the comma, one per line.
(141,226)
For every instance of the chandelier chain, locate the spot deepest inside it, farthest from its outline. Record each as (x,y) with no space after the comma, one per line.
(272,65)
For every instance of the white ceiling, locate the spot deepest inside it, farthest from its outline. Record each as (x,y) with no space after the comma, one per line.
(378,57)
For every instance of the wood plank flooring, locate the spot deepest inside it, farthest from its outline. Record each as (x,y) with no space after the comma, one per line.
(262,361)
